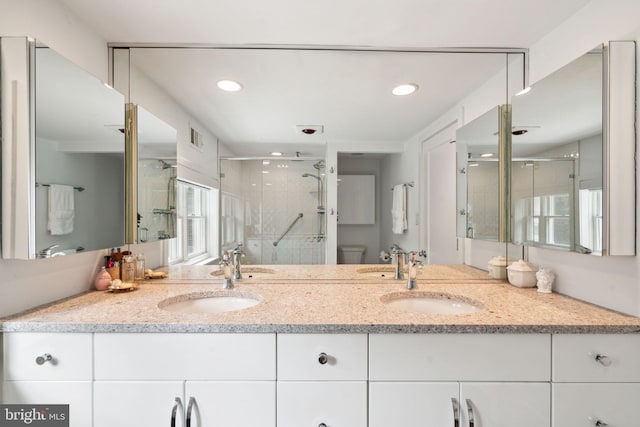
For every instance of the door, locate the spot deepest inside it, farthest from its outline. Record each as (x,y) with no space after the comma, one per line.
(138,404)
(506,404)
(413,404)
(230,403)
(76,394)
(439,203)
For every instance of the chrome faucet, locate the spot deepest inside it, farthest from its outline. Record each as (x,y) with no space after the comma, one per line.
(47,252)
(237,254)
(414,265)
(226,265)
(397,259)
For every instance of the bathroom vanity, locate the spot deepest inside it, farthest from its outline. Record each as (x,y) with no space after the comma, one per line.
(327,352)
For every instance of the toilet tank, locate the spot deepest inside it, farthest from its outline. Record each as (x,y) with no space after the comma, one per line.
(351,254)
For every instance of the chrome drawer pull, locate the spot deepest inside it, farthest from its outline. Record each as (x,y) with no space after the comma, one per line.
(456,412)
(322,425)
(597,422)
(323,358)
(192,403)
(472,422)
(601,359)
(174,412)
(41,360)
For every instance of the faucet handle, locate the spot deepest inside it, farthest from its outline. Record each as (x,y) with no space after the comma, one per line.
(226,259)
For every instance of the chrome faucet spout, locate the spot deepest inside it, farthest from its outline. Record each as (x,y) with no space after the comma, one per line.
(398,259)
(414,265)
(237,253)
(226,265)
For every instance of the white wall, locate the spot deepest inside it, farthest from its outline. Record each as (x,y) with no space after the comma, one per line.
(26,284)
(612,282)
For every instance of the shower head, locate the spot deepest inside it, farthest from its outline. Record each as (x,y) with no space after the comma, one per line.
(305,175)
(165,165)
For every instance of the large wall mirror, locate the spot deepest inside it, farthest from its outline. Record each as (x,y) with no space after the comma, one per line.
(572,179)
(157,174)
(483,175)
(73,173)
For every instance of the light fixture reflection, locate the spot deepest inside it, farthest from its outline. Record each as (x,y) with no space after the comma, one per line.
(404,89)
(229,85)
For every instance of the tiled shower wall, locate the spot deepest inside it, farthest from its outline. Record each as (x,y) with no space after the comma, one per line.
(274,193)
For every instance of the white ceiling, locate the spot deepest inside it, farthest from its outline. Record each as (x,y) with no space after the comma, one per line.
(348,93)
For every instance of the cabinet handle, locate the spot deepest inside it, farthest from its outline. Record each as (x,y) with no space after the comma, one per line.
(472,422)
(192,403)
(456,412)
(323,359)
(177,404)
(41,360)
(601,359)
(597,422)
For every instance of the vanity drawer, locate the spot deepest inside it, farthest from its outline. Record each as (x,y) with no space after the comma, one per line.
(322,357)
(47,356)
(183,356)
(596,358)
(459,357)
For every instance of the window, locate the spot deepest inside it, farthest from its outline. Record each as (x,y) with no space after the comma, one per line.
(545,220)
(231,216)
(196,224)
(591,219)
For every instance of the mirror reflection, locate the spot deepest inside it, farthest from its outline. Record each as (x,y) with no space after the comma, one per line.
(477,145)
(157,174)
(79,159)
(557,175)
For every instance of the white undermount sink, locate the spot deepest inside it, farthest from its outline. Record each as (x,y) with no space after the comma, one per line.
(211,302)
(430,303)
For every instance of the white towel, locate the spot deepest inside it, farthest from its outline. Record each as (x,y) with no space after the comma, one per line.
(61,209)
(399,209)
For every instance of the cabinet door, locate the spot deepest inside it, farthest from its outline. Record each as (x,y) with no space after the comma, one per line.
(332,403)
(578,405)
(413,404)
(231,403)
(76,394)
(137,404)
(506,404)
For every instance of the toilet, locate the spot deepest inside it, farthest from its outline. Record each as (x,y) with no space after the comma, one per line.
(351,254)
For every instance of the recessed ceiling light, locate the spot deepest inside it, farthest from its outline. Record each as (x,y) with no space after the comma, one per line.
(229,85)
(405,89)
(277,153)
(265,171)
(486,155)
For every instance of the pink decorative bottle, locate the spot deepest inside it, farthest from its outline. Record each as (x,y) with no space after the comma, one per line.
(103,280)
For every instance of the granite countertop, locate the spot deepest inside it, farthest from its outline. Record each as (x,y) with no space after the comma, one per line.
(324,299)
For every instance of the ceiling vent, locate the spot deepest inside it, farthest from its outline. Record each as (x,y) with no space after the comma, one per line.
(196,139)
(310,129)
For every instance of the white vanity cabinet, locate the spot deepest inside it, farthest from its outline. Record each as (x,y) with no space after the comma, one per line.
(596,379)
(322,380)
(49,368)
(167,379)
(456,379)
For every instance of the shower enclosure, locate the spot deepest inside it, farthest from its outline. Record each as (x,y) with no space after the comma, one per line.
(156,200)
(275,209)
